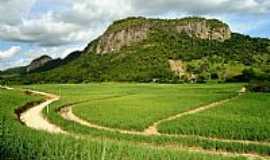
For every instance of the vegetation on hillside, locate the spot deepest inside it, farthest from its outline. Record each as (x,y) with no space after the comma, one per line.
(239,59)
(138,21)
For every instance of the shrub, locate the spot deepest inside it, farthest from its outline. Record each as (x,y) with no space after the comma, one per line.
(259,86)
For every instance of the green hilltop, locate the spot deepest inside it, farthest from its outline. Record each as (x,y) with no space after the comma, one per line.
(137,21)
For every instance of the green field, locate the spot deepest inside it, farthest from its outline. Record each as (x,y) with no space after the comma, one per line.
(148,104)
(132,106)
(20,142)
(135,106)
(246,118)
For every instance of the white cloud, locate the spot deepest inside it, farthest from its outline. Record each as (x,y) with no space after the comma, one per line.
(45,31)
(201,6)
(12,11)
(9,52)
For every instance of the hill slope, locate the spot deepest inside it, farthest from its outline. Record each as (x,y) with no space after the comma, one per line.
(140,49)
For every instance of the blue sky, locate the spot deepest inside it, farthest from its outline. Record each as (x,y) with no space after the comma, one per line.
(31,28)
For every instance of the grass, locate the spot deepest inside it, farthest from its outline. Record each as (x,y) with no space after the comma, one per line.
(21,143)
(246,118)
(148,104)
(108,91)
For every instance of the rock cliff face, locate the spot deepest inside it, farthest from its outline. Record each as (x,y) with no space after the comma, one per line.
(203,30)
(125,32)
(114,41)
(39,62)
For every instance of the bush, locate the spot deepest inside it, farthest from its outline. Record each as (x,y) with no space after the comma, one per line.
(259,86)
(249,75)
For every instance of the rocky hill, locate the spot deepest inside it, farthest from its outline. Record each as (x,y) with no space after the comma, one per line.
(125,32)
(144,50)
(39,62)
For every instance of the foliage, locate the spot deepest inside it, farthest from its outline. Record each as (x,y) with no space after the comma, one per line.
(138,21)
(259,86)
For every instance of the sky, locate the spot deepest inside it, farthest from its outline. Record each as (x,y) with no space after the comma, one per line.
(31,28)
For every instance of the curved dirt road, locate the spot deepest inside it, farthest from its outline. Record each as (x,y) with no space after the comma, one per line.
(34,118)
(6,87)
(67,114)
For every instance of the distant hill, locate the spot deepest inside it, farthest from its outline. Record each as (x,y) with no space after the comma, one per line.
(38,63)
(138,49)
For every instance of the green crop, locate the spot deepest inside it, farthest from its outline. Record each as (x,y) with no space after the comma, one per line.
(106,92)
(246,118)
(21,143)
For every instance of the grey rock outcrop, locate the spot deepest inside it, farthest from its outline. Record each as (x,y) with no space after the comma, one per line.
(37,63)
(114,41)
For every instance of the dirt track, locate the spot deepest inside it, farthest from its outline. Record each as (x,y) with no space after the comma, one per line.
(5,87)
(34,118)
(152,130)
(67,114)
